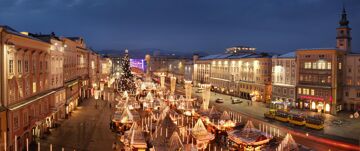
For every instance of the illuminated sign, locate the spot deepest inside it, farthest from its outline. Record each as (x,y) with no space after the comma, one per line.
(312,98)
(138,63)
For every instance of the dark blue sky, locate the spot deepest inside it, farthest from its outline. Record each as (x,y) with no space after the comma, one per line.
(186,25)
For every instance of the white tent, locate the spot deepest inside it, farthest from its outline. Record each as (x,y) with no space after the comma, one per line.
(288,143)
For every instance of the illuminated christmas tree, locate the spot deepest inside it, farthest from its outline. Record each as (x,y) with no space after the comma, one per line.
(126,82)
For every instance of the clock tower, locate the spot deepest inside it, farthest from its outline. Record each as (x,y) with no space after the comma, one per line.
(343,38)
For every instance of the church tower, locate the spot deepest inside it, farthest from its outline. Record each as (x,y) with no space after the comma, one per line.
(343,38)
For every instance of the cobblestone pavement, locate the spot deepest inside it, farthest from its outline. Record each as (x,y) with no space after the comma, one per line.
(87,129)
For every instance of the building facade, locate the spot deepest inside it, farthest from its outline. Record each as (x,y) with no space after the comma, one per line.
(239,72)
(201,70)
(25,86)
(171,66)
(319,77)
(283,79)
(351,82)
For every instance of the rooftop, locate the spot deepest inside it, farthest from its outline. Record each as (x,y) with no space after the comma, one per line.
(288,55)
(15,32)
(317,49)
(236,56)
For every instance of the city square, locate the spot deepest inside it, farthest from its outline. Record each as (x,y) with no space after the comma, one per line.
(159,75)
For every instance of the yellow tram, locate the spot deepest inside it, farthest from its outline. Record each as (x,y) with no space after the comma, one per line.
(282,116)
(314,122)
(297,119)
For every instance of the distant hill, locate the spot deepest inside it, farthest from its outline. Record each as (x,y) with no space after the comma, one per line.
(140,53)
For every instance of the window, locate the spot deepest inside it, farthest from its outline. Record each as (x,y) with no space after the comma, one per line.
(27,88)
(11,66)
(26,118)
(299,90)
(329,65)
(34,87)
(34,66)
(26,66)
(339,65)
(329,79)
(20,86)
(306,91)
(41,66)
(46,66)
(307,65)
(349,70)
(321,65)
(347,94)
(314,65)
(358,94)
(16,122)
(312,92)
(19,67)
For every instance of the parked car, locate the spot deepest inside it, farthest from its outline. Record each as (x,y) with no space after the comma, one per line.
(219,100)
(236,100)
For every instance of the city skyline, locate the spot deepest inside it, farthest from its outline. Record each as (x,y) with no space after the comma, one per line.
(187,26)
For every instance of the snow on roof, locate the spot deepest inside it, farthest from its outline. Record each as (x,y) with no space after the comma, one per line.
(288,55)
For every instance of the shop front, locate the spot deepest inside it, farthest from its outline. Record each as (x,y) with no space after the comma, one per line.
(286,103)
(84,91)
(316,104)
(71,105)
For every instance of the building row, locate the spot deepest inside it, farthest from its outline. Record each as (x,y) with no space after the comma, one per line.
(321,79)
(43,79)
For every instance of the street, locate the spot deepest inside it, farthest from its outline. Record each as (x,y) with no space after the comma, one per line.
(87,129)
(310,138)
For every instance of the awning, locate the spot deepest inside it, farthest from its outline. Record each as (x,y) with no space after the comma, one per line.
(29,100)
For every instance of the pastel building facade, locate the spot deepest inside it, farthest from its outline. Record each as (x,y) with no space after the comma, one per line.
(283,79)
(44,78)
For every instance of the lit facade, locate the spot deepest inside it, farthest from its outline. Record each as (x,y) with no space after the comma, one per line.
(76,77)
(25,81)
(247,76)
(319,76)
(284,78)
(55,77)
(201,71)
(169,65)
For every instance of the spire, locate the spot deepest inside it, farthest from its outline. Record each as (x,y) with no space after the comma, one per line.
(343,21)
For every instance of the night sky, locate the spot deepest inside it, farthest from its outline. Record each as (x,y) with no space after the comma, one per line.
(187,25)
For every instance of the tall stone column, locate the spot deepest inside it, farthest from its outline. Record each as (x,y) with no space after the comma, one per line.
(188,89)
(206,96)
(162,80)
(172,85)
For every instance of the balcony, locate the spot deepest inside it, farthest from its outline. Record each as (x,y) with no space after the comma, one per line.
(315,71)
